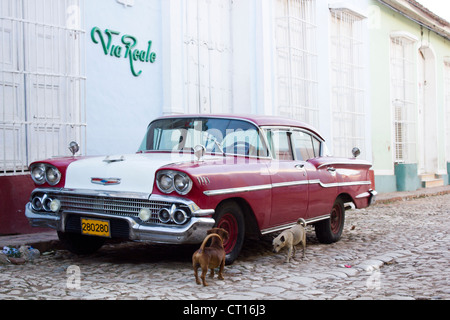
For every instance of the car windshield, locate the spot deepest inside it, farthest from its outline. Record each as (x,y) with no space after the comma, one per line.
(217,135)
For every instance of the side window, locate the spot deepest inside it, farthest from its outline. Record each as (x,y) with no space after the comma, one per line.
(305,146)
(316,146)
(280,143)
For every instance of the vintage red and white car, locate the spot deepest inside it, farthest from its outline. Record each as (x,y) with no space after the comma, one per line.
(251,175)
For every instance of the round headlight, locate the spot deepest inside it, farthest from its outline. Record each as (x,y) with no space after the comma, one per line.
(180,217)
(164,181)
(46,200)
(182,183)
(38,173)
(53,176)
(164,215)
(36,203)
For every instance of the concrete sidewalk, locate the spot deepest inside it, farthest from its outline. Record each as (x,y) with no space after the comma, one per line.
(411,195)
(49,240)
(43,241)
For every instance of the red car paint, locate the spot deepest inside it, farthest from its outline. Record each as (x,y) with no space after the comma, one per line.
(271,193)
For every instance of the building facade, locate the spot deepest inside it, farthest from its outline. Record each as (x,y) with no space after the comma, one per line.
(98,72)
(409,95)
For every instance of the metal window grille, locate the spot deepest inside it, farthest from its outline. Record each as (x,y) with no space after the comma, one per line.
(42,82)
(347,82)
(403,99)
(208,54)
(296,51)
(447,104)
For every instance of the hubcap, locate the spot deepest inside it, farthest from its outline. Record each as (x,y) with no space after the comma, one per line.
(336,218)
(229,223)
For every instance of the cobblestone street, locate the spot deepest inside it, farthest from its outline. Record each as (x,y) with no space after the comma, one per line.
(398,250)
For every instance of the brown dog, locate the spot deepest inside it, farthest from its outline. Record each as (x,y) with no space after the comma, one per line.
(210,257)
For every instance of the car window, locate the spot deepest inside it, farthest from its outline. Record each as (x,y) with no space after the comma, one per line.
(305,146)
(280,144)
(316,146)
(183,134)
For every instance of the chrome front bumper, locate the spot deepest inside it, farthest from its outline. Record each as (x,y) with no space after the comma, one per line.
(192,232)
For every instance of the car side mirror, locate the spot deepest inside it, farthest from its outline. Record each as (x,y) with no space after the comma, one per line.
(356,152)
(199,151)
(74,147)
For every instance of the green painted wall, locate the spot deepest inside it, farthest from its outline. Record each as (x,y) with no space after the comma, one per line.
(382,22)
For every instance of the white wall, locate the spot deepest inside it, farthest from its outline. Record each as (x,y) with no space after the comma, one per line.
(120,105)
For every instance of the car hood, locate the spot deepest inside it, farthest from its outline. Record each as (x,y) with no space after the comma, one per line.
(134,173)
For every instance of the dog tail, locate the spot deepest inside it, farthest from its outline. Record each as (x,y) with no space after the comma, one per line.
(302,222)
(202,247)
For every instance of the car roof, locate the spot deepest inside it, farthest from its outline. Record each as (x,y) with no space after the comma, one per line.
(260,120)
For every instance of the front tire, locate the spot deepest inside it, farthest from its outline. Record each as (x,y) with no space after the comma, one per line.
(330,230)
(79,244)
(229,217)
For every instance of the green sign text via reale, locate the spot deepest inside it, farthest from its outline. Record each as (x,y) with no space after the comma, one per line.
(126,49)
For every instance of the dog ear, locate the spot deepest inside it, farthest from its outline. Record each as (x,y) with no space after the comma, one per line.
(225,235)
(282,239)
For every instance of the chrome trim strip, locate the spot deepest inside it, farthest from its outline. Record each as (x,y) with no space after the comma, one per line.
(319,218)
(283,184)
(290,225)
(278,228)
(357,162)
(203,213)
(341,184)
(290,184)
(363,195)
(237,190)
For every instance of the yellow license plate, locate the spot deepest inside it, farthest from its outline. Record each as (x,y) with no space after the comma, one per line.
(99,228)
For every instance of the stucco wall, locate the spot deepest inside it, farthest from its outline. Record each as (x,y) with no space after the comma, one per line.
(382,23)
(119,105)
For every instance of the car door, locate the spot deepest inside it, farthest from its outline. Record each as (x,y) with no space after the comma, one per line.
(322,181)
(289,180)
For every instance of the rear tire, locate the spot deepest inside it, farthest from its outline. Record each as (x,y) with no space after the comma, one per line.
(229,217)
(330,230)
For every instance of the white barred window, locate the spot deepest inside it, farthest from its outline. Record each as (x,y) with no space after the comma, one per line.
(447,104)
(347,82)
(208,53)
(403,99)
(296,52)
(41,80)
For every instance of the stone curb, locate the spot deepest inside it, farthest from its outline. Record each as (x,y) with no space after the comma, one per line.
(44,241)
(385,198)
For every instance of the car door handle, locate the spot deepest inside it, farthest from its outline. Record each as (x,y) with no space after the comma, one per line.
(299,166)
(331,169)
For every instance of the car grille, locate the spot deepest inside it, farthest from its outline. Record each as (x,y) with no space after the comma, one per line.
(125,207)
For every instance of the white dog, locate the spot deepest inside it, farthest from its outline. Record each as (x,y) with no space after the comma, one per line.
(291,238)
